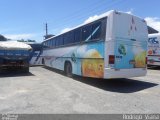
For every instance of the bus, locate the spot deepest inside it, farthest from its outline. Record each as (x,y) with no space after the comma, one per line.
(154,49)
(112,46)
(35,56)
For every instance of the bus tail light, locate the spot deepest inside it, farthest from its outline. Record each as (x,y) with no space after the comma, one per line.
(111,59)
(146,60)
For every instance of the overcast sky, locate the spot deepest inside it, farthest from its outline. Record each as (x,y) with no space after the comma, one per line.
(25,19)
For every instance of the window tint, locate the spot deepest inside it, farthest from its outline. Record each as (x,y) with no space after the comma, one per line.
(53,43)
(103,27)
(96,30)
(56,40)
(59,40)
(77,35)
(93,31)
(50,43)
(47,44)
(86,33)
(69,38)
(65,38)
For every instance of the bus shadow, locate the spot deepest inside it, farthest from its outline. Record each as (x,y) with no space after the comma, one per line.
(113,85)
(16,73)
(154,67)
(117,85)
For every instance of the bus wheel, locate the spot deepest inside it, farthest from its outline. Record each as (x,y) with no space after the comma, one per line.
(68,69)
(43,62)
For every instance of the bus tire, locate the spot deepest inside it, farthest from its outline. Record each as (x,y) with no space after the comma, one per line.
(68,69)
(43,62)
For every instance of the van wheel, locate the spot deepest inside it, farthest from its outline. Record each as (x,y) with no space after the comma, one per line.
(68,69)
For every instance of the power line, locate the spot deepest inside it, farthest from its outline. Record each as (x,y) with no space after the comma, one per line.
(81,9)
(80,17)
(97,9)
(81,13)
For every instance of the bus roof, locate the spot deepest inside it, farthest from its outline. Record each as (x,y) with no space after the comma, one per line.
(98,17)
(85,23)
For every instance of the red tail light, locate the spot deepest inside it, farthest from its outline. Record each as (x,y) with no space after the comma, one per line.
(146,60)
(111,59)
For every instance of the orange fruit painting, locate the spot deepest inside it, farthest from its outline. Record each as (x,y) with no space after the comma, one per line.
(140,60)
(93,65)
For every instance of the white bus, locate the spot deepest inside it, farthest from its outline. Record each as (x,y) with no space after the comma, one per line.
(112,46)
(35,56)
(154,49)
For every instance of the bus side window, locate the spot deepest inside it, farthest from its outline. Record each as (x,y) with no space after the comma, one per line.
(60,40)
(53,43)
(50,43)
(71,37)
(86,33)
(47,44)
(56,42)
(77,35)
(65,38)
(68,38)
(51,40)
(103,28)
(96,30)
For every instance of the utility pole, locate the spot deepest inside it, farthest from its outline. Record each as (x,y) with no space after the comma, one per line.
(46,29)
(47,35)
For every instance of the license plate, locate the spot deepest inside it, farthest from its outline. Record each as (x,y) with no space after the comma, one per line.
(132,62)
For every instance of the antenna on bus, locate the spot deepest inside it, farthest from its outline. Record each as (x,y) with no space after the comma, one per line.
(47,35)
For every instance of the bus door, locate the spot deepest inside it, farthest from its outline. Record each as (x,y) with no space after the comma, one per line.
(130,41)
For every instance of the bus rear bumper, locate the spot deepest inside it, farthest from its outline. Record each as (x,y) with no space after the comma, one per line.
(124,73)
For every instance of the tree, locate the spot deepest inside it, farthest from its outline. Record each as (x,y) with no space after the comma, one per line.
(2,38)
